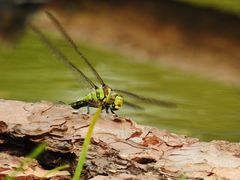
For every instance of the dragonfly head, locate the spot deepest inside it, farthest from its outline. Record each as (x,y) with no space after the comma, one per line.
(113,100)
(117,103)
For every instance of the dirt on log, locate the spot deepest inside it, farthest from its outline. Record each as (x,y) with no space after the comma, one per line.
(120,149)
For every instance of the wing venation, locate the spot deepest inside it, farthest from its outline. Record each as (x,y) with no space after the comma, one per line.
(147,100)
(60,55)
(73,45)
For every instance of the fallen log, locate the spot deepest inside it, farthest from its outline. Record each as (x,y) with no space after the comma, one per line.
(119,147)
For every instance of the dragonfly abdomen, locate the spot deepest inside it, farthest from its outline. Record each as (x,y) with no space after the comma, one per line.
(93,99)
(79,104)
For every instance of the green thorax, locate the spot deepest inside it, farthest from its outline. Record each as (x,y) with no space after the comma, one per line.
(98,95)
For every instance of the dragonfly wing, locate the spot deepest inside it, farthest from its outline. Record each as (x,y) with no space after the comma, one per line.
(60,56)
(74,46)
(132,105)
(147,100)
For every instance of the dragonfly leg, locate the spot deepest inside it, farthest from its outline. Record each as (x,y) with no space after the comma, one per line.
(106,108)
(113,113)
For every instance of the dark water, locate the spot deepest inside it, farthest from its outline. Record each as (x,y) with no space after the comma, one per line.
(206,109)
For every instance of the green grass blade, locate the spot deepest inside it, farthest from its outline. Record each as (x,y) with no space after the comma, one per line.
(86,143)
(35,153)
(59,168)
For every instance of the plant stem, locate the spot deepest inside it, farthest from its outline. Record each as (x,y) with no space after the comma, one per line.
(86,143)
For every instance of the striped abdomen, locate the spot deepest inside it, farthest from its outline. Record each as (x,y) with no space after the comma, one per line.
(79,104)
(93,99)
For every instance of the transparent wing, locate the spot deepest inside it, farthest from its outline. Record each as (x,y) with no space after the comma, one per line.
(147,100)
(60,56)
(74,46)
(132,105)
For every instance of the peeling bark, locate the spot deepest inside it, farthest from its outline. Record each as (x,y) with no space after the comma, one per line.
(119,147)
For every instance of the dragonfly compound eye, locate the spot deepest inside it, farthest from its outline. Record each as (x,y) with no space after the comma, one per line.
(118,102)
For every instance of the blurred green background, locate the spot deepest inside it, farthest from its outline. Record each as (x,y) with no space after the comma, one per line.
(169,51)
(232,6)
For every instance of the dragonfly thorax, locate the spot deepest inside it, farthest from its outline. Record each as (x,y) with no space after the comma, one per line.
(98,95)
(104,97)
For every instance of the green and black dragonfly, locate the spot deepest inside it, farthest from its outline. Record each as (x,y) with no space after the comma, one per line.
(104,96)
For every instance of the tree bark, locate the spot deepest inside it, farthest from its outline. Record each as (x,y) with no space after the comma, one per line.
(119,147)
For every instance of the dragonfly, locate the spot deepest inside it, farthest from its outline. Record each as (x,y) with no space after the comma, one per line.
(101,96)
